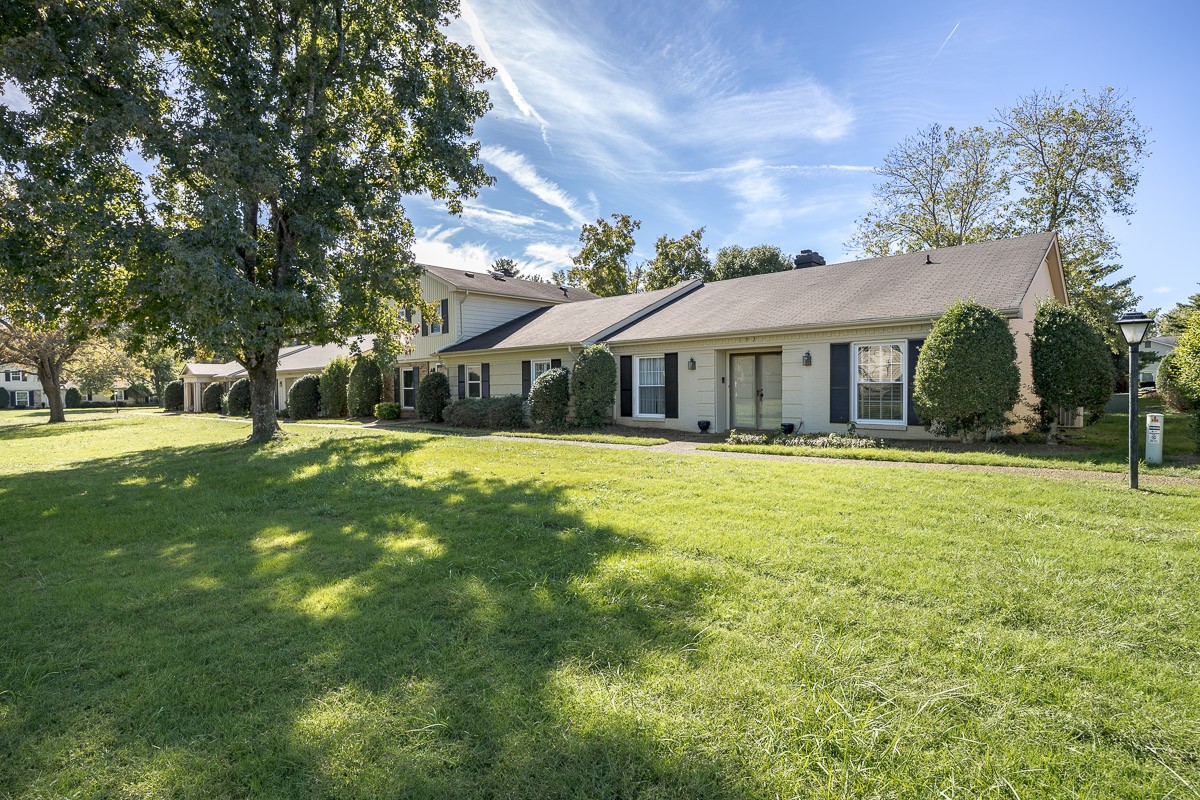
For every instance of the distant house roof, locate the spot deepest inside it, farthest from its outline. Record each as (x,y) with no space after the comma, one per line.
(997,274)
(567,324)
(493,283)
(297,357)
(1164,341)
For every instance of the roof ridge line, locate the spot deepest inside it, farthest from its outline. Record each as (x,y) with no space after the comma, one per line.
(682,290)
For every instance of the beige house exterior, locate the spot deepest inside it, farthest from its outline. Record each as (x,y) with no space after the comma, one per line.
(821,347)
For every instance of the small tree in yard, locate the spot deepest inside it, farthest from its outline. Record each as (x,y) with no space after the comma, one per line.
(967,378)
(1166,384)
(237,401)
(593,384)
(74,398)
(304,398)
(365,388)
(210,401)
(1071,362)
(1185,371)
(550,399)
(334,379)
(433,395)
(173,396)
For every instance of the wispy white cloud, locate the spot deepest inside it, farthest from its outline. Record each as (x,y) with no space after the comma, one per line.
(544,258)
(801,110)
(433,246)
(946,42)
(525,175)
(1163,289)
(507,223)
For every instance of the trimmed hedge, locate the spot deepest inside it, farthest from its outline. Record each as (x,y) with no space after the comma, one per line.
(210,401)
(388,410)
(334,379)
(1166,384)
(73,398)
(173,396)
(101,404)
(967,379)
(550,399)
(593,386)
(494,413)
(365,388)
(1185,371)
(433,395)
(237,401)
(304,398)
(3,397)
(1072,366)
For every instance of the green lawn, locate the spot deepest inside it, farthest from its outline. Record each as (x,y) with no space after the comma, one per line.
(600,438)
(351,614)
(1102,447)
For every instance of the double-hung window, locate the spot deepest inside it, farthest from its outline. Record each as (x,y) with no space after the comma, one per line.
(474,381)
(536,368)
(21,398)
(879,383)
(408,389)
(119,394)
(650,393)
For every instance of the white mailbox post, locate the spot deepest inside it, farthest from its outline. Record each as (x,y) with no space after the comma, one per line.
(1154,438)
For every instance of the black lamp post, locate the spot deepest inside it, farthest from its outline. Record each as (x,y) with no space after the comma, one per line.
(1133,325)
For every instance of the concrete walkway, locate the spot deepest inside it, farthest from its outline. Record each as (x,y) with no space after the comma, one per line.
(693,449)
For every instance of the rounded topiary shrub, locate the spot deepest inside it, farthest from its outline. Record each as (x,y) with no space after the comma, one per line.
(4,400)
(593,386)
(365,387)
(549,399)
(388,410)
(73,398)
(334,379)
(1071,362)
(967,379)
(237,402)
(433,395)
(173,396)
(304,398)
(210,401)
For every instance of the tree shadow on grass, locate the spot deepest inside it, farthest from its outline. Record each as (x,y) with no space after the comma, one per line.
(329,618)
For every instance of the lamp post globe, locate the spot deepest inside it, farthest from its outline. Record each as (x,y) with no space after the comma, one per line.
(1134,326)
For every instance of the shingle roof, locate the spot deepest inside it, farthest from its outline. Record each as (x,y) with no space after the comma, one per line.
(996,274)
(308,357)
(562,324)
(491,283)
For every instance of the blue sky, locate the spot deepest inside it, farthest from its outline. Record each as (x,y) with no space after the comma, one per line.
(760,121)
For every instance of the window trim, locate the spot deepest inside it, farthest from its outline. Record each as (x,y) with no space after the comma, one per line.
(413,388)
(637,386)
(854,383)
(467,386)
(533,368)
(119,395)
(27,402)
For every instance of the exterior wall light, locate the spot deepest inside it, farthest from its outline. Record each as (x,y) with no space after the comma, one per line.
(807,360)
(691,363)
(1134,325)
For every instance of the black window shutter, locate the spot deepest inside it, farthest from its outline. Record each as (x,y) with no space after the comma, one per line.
(671,367)
(424,326)
(839,382)
(416,379)
(914,350)
(462,381)
(526,378)
(445,316)
(485,375)
(397,387)
(555,363)
(626,386)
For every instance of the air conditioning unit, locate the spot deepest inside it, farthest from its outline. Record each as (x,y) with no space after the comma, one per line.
(1071,417)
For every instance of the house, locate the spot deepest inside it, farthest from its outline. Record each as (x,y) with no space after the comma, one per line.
(24,388)
(820,346)
(295,362)
(469,304)
(1161,346)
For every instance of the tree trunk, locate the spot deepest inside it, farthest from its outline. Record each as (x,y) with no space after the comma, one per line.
(50,376)
(1052,431)
(265,423)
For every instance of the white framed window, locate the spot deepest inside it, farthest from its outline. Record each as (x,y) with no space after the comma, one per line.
(650,387)
(118,394)
(408,388)
(474,381)
(20,398)
(879,383)
(536,368)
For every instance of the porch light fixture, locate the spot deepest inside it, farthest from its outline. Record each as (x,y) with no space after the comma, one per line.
(1134,325)
(691,363)
(807,360)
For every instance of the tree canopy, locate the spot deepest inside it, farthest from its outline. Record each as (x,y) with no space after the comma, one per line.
(602,263)
(676,260)
(283,138)
(1175,321)
(738,262)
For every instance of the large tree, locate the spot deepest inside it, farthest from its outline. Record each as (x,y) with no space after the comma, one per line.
(284,138)
(735,261)
(42,348)
(602,263)
(675,260)
(1175,321)
(940,188)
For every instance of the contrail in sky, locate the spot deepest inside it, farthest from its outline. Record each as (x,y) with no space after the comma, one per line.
(948,38)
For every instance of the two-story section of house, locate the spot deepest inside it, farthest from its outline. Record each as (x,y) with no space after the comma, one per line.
(24,388)
(468,304)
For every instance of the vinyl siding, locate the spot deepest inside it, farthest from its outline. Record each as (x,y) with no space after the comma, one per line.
(481,313)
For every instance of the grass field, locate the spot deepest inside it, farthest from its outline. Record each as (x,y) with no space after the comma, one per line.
(351,613)
(597,438)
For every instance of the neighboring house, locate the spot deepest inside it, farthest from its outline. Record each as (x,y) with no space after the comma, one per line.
(120,392)
(1160,346)
(820,346)
(24,388)
(295,362)
(469,304)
